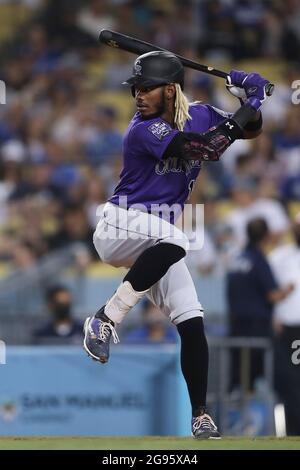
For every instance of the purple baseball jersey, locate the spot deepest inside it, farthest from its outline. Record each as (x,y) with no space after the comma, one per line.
(147,178)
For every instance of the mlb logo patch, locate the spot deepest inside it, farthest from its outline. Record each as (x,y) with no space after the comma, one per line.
(159,129)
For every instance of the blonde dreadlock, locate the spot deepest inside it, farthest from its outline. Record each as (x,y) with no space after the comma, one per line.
(181,108)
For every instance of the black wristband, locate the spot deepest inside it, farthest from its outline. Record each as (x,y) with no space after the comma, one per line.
(243,115)
(254,125)
(231,129)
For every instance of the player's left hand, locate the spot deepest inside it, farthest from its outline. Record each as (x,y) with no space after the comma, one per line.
(250,88)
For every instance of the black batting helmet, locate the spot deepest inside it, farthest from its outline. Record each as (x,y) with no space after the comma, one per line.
(156,68)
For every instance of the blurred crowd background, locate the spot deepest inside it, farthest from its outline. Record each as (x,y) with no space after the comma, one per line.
(61,144)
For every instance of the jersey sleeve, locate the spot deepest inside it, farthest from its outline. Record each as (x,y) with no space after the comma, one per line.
(151,138)
(217,115)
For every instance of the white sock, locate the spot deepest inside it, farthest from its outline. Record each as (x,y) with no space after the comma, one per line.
(122,301)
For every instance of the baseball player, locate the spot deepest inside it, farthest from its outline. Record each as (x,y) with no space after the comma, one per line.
(164,146)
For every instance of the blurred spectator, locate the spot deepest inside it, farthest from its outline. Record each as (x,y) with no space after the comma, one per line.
(203,88)
(287,138)
(74,228)
(24,256)
(105,143)
(187,23)
(239,147)
(39,51)
(11,158)
(290,30)
(244,166)
(117,71)
(287,142)
(252,291)
(249,205)
(155,328)
(218,40)
(249,28)
(13,151)
(61,327)
(37,182)
(95,197)
(265,163)
(272,23)
(201,257)
(285,262)
(60,20)
(95,17)
(160,31)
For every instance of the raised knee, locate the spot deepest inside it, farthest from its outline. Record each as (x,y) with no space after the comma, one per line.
(182,242)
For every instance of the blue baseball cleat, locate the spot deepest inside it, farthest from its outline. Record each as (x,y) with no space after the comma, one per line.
(97,334)
(203,427)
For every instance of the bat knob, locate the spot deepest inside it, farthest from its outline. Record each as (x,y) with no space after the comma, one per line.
(105,36)
(269,89)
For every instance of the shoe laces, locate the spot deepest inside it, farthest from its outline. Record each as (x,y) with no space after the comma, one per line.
(105,330)
(204,421)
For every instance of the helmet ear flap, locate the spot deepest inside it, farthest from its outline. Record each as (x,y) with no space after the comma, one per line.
(133,91)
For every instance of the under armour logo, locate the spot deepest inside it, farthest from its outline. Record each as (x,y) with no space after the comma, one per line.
(231,126)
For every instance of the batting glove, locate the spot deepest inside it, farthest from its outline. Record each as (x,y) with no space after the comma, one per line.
(250,88)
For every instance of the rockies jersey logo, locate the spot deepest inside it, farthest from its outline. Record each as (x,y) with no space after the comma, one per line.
(176,165)
(231,126)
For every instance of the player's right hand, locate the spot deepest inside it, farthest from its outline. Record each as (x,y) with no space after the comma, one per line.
(253,84)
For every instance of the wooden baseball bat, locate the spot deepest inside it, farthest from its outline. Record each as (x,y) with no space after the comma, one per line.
(129,44)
